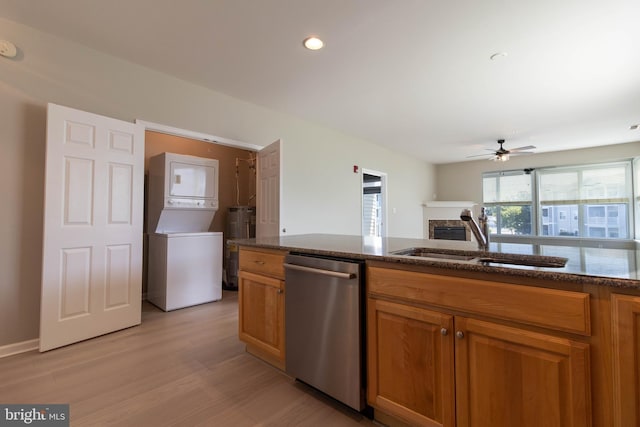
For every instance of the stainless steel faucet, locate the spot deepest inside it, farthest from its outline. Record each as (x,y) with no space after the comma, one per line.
(480,231)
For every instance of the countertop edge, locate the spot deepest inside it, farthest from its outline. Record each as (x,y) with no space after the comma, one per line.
(532,273)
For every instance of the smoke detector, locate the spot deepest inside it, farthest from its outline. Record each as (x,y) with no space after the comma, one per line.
(8,49)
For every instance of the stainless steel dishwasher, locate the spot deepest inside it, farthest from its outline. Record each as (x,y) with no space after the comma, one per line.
(324,326)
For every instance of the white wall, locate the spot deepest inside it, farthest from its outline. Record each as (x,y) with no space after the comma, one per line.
(320,191)
(22,139)
(333,198)
(463,181)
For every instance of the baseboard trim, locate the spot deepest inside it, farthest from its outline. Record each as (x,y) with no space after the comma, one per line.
(19,347)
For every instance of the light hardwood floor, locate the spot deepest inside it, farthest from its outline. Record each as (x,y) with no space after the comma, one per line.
(182,368)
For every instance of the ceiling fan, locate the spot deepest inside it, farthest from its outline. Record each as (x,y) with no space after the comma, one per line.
(502,154)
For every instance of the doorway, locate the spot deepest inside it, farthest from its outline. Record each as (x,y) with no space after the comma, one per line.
(374,205)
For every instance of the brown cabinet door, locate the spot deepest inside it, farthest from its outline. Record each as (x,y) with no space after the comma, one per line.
(261,312)
(410,363)
(507,376)
(626,359)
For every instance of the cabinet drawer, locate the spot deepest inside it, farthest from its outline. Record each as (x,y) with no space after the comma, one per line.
(549,308)
(269,263)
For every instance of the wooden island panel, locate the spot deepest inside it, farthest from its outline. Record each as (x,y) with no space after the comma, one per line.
(550,308)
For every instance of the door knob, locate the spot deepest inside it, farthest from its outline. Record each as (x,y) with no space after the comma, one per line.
(460,334)
(444,331)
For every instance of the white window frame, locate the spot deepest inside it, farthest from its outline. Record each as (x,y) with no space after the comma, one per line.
(498,204)
(632,200)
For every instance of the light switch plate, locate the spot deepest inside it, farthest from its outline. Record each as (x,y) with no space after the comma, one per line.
(8,49)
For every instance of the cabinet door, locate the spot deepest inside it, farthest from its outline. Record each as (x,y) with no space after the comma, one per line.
(626,359)
(512,377)
(261,312)
(410,363)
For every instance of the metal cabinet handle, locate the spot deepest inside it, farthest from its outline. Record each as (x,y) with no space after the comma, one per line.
(444,332)
(259,262)
(323,272)
(460,334)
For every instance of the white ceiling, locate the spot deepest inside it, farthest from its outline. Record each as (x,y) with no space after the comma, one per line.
(413,75)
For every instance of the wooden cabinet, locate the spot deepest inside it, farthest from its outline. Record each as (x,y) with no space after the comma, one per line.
(626,359)
(500,375)
(261,304)
(509,376)
(410,363)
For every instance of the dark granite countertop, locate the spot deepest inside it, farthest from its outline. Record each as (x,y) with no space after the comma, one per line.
(586,265)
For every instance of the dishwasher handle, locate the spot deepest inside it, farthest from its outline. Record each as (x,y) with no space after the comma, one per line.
(321,271)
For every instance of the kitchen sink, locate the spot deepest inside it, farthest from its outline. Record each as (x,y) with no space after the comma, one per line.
(528,260)
(486,258)
(434,253)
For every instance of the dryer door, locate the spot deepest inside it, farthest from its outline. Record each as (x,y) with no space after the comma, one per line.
(193,180)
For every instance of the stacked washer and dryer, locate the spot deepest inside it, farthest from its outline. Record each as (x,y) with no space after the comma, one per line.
(184,258)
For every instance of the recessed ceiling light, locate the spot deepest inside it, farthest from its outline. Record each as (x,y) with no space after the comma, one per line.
(498,55)
(313,43)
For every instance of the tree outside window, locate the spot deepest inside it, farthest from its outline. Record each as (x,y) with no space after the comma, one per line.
(516,219)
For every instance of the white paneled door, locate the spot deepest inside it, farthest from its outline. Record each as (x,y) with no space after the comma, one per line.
(92,255)
(268,191)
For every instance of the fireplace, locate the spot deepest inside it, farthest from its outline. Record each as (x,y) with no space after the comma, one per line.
(442,220)
(448,229)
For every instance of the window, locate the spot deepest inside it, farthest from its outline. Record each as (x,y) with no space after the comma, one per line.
(589,201)
(596,211)
(596,197)
(507,197)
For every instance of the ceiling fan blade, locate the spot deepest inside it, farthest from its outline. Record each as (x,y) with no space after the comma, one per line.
(520,153)
(480,155)
(528,147)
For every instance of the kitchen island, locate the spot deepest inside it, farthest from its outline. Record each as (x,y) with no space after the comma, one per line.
(458,341)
